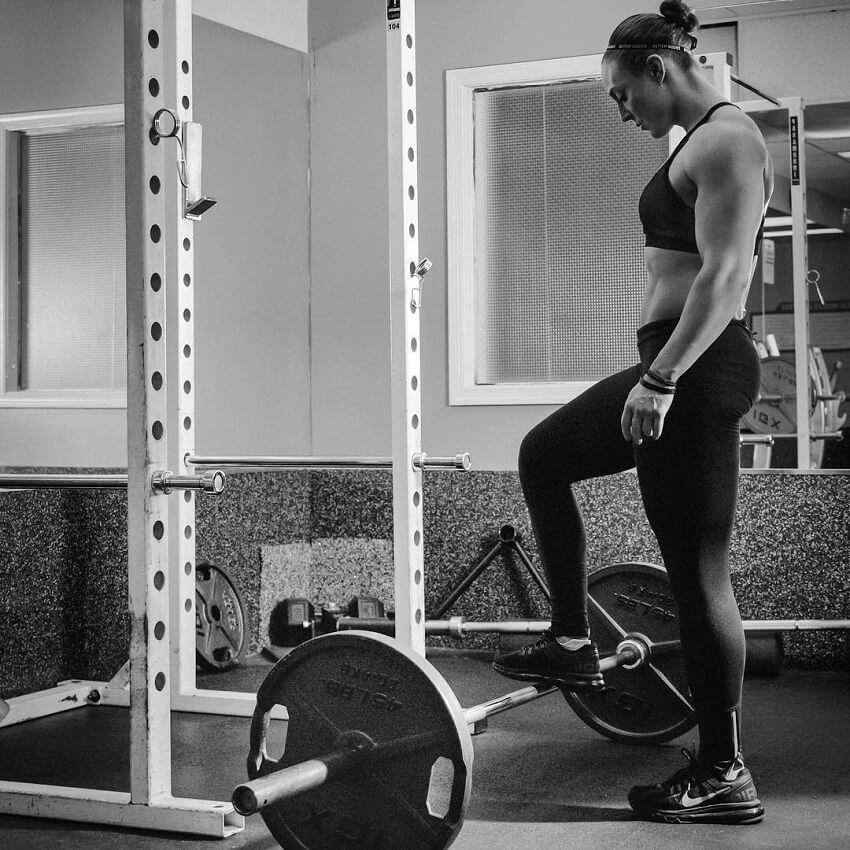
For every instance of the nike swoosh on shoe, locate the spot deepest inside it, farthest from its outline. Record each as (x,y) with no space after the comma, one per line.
(689,802)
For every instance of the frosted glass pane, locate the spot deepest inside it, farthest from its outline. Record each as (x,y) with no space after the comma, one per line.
(558,245)
(73,309)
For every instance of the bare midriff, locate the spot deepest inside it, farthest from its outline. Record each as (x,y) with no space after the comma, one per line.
(670,277)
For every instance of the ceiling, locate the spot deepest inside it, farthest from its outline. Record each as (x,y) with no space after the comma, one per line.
(713,11)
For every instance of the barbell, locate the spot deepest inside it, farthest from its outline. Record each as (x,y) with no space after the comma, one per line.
(378,751)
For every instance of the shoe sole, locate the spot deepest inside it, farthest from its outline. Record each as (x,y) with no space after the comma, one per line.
(583,685)
(738,814)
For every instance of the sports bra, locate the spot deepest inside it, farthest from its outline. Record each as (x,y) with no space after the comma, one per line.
(668,222)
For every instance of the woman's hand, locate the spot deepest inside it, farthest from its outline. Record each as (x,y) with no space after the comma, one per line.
(643,414)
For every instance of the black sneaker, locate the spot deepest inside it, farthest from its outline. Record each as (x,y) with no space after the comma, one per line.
(546,660)
(722,793)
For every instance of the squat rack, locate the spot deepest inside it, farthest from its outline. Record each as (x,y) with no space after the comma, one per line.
(160,674)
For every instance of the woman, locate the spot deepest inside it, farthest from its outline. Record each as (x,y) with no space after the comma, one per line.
(675,416)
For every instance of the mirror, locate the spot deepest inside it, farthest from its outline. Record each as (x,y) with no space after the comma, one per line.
(770,305)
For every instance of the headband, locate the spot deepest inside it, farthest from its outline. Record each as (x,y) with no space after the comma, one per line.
(647,47)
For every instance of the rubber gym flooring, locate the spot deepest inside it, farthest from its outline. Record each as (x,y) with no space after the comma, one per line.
(542,779)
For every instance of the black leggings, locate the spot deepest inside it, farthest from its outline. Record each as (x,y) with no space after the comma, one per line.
(688,480)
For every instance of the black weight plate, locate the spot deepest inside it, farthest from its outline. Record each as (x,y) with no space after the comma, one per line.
(649,704)
(367,683)
(221,622)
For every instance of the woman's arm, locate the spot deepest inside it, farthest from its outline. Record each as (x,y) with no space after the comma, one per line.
(728,170)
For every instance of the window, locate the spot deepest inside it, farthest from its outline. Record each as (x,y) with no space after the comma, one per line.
(546,268)
(63,338)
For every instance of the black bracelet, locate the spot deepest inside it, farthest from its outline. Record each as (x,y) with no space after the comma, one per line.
(658,379)
(655,388)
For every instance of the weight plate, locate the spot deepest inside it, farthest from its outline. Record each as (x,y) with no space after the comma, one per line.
(649,704)
(221,623)
(775,411)
(414,792)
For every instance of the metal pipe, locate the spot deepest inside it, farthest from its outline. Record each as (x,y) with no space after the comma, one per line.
(769,438)
(758,439)
(57,481)
(754,90)
(164,481)
(277,464)
(460,627)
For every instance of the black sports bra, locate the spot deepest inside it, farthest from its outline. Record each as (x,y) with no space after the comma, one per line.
(668,222)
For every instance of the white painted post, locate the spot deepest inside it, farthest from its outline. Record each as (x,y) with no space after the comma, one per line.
(182,359)
(404,316)
(147,516)
(800,263)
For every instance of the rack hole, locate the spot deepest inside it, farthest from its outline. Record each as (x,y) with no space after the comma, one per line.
(159,681)
(159,580)
(414,382)
(416,499)
(156,282)
(417,538)
(184,65)
(412,230)
(156,380)
(413,344)
(187,532)
(153,86)
(409,78)
(157,430)
(410,154)
(411,192)
(187,605)
(156,234)
(153,39)
(159,630)
(187,244)
(187,387)
(187,279)
(409,116)
(187,350)
(187,423)
(409,41)
(414,421)
(155,184)
(187,568)
(185,102)
(156,331)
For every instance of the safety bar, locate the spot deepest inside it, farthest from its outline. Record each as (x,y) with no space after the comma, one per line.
(164,481)
(461,627)
(275,464)
(768,439)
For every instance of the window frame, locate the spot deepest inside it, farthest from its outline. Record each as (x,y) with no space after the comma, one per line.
(460,199)
(45,121)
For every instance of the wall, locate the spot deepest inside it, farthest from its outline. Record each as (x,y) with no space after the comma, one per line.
(350,328)
(252,249)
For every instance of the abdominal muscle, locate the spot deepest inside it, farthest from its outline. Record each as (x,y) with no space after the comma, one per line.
(670,277)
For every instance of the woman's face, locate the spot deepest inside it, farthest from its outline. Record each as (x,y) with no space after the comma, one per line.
(638,95)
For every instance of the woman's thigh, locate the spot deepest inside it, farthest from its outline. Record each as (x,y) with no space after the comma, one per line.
(583,439)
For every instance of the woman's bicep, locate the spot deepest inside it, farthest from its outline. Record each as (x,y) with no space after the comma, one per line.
(729,204)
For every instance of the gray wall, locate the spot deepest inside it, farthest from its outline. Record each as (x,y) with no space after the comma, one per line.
(251,256)
(351,394)
(285,363)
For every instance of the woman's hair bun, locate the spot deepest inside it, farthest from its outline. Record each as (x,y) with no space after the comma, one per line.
(680,14)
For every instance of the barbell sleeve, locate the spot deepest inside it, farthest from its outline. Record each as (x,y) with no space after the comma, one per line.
(477,713)
(250,797)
